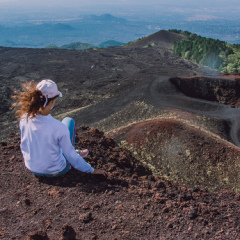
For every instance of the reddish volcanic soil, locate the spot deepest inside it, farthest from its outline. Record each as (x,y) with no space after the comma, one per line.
(129,204)
(175,172)
(186,154)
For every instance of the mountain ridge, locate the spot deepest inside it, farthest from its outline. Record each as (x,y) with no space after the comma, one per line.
(163,38)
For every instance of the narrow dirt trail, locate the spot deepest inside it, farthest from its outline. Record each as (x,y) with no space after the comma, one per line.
(161,94)
(164,94)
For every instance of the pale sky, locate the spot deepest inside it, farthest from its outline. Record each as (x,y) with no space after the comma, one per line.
(123,2)
(11,8)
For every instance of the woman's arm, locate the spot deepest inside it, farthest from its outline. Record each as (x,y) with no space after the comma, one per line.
(71,155)
(75,159)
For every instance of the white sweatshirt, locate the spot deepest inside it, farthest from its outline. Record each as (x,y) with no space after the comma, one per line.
(43,140)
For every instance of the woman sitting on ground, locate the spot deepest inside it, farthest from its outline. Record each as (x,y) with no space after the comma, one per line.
(47,144)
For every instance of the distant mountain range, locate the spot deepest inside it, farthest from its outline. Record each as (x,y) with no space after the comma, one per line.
(96,30)
(92,29)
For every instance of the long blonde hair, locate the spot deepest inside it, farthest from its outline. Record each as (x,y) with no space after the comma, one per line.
(28,101)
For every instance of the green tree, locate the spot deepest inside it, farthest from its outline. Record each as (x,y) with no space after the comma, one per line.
(207,51)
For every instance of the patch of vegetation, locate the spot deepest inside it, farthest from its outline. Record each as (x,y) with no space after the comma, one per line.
(76,46)
(82,46)
(110,43)
(210,52)
(232,62)
(130,42)
(190,166)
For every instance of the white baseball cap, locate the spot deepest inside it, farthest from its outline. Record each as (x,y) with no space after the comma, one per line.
(49,89)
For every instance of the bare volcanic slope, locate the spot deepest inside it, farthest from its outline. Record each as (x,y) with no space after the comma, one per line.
(129,204)
(184,153)
(87,77)
(163,39)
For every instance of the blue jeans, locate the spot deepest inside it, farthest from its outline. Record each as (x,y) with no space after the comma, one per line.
(71,125)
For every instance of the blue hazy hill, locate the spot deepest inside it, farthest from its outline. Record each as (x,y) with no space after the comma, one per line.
(104,18)
(62,27)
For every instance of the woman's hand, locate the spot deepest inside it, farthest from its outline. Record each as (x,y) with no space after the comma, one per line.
(99,171)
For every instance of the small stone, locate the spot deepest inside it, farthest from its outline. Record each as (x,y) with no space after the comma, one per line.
(4,144)
(192,213)
(27,202)
(144,177)
(112,167)
(2,210)
(85,218)
(160,184)
(151,178)
(165,210)
(120,208)
(214,211)
(95,206)
(169,225)
(86,206)
(114,227)
(95,132)
(54,193)
(67,232)
(190,229)
(221,231)
(133,182)
(135,177)
(48,224)
(159,199)
(94,237)
(237,197)
(35,212)
(37,235)
(148,219)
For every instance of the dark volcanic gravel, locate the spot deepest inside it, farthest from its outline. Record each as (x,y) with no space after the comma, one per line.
(129,204)
(88,77)
(111,89)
